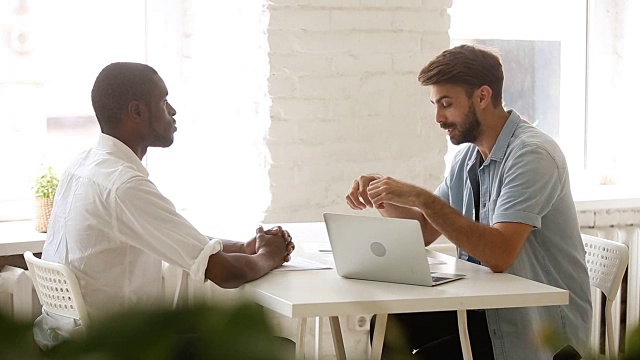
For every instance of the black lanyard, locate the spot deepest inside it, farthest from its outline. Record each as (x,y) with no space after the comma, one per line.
(474,179)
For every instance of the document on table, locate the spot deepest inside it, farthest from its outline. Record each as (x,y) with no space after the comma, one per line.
(298,263)
(434,261)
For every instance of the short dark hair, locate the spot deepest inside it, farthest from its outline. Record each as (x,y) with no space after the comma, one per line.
(116,86)
(468,66)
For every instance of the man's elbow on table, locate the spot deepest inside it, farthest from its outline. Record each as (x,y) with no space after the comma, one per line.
(223,271)
(498,268)
(230,271)
(512,237)
(503,261)
(226,282)
(226,277)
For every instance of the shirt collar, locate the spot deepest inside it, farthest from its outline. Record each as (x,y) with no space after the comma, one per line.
(500,148)
(118,149)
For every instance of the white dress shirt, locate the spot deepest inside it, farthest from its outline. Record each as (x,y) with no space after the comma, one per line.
(113,228)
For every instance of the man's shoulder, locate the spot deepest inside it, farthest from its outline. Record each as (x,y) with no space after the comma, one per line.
(103,169)
(527,134)
(528,138)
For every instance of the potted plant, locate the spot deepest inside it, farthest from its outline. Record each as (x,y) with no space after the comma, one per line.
(45,189)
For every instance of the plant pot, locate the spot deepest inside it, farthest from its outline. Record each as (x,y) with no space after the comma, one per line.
(43,213)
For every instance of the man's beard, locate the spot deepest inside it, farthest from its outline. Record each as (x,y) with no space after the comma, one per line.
(468,131)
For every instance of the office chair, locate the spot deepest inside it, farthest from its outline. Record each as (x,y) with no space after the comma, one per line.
(57,289)
(606,262)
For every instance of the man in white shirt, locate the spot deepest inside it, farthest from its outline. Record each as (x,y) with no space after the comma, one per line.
(112,226)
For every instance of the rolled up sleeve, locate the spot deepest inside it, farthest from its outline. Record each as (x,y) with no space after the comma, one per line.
(200,265)
(531,186)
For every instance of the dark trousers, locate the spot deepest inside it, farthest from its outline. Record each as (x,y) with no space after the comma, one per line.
(434,335)
(187,348)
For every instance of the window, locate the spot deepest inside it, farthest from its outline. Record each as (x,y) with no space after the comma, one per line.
(222,106)
(213,58)
(53,55)
(568,70)
(612,121)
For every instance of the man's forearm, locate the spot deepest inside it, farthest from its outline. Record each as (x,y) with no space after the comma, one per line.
(481,241)
(231,246)
(429,232)
(234,269)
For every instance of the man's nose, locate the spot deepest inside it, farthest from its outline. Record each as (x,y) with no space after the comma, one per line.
(440,118)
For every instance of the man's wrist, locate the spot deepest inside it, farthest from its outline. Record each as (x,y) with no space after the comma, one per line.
(244,249)
(268,257)
(425,201)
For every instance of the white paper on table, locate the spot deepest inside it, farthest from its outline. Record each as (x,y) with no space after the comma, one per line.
(315,247)
(434,261)
(298,263)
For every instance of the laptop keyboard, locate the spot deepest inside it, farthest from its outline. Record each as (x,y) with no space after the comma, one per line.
(438,278)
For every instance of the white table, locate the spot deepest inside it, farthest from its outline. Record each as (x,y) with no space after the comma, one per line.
(316,293)
(16,237)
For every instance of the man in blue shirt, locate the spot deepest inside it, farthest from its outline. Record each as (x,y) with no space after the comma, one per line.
(505,204)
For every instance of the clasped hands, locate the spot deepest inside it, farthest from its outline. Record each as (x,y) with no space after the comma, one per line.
(275,241)
(375,190)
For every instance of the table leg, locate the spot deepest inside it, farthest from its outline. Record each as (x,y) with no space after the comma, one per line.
(302,331)
(378,336)
(338,343)
(318,334)
(464,335)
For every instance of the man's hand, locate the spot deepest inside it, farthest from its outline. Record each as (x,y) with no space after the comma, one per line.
(275,242)
(358,196)
(250,246)
(390,190)
(242,262)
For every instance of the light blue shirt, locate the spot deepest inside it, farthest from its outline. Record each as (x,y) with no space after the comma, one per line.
(525,180)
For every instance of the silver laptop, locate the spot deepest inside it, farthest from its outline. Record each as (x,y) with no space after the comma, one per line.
(381,249)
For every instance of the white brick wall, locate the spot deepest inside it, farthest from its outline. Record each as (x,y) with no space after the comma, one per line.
(346,99)
(609,218)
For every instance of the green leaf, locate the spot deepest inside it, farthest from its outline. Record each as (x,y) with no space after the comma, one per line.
(46,184)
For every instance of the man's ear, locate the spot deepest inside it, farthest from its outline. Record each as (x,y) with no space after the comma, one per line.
(484,96)
(137,111)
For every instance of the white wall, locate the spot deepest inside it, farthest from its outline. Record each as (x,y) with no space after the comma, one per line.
(346,99)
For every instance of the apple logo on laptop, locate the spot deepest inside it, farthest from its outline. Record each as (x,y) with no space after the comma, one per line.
(378,249)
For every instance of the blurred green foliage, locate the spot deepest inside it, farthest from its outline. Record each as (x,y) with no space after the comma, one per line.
(195,332)
(553,339)
(633,345)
